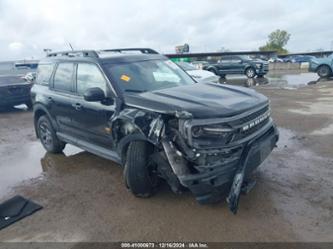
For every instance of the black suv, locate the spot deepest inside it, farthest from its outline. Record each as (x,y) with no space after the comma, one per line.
(144,112)
(239,64)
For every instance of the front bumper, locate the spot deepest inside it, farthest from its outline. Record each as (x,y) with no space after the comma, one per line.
(213,184)
(262,70)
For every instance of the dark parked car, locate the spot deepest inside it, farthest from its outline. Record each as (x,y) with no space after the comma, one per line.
(239,64)
(150,116)
(298,58)
(15,90)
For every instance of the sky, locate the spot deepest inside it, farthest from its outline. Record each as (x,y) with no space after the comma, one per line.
(28,27)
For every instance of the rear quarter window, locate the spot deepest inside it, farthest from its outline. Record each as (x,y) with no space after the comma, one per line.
(44,73)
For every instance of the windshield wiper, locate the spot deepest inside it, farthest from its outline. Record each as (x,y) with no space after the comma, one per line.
(135,90)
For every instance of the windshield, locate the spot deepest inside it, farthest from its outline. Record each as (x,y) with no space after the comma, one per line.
(244,57)
(186,66)
(150,75)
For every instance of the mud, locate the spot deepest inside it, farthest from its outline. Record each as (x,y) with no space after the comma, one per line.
(85,199)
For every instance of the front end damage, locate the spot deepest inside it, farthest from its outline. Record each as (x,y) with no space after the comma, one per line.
(213,158)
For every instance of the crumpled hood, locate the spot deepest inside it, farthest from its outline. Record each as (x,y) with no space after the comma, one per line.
(204,100)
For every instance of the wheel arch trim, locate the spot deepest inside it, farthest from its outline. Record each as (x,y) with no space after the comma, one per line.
(40,110)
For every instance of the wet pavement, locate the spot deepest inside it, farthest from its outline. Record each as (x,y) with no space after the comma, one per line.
(277,79)
(85,199)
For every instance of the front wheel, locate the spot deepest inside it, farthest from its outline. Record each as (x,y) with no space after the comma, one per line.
(139,172)
(324,71)
(48,137)
(250,72)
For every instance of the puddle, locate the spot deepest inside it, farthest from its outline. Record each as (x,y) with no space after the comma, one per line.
(324,131)
(24,164)
(291,80)
(275,79)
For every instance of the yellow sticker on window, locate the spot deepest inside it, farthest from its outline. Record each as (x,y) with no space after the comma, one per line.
(125,78)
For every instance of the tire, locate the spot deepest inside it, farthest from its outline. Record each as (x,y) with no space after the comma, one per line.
(139,176)
(48,137)
(250,72)
(324,71)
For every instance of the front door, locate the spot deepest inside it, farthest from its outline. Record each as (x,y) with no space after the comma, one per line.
(91,119)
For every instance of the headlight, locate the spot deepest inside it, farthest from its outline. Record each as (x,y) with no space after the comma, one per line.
(258,65)
(211,131)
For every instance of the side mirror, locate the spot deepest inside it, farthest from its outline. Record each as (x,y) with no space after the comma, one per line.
(94,94)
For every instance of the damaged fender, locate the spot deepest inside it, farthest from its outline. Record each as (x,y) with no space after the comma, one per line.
(133,124)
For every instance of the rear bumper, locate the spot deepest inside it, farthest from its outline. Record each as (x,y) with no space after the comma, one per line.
(214,184)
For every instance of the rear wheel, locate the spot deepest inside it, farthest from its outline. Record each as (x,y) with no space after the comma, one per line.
(324,71)
(48,137)
(140,173)
(250,72)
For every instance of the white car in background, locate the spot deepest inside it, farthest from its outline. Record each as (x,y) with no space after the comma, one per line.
(198,74)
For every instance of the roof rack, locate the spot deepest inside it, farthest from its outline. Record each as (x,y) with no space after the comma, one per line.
(142,50)
(95,53)
(75,53)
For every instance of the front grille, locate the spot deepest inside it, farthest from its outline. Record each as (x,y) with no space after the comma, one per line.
(265,67)
(250,117)
(257,119)
(241,133)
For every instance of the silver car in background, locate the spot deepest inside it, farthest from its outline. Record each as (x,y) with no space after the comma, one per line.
(198,74)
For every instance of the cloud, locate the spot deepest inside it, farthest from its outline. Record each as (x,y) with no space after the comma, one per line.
(15,46)
(205,25)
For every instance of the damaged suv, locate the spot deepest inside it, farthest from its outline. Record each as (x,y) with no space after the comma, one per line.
(144,112)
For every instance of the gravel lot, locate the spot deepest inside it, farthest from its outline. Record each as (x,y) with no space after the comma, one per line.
(85,199)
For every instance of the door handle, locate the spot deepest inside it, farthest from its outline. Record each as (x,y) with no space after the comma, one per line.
(77,106)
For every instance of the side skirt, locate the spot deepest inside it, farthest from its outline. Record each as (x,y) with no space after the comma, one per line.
(92,148)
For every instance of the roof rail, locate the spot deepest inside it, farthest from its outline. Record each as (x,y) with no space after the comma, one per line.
(142,50)
(74,53)
(95,53)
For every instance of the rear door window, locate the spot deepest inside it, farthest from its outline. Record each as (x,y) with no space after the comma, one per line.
(44,73)
(63,78)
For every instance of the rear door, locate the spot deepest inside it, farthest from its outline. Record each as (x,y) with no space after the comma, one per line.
(61,95)
(90,119)
(237,66)
(225,64)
